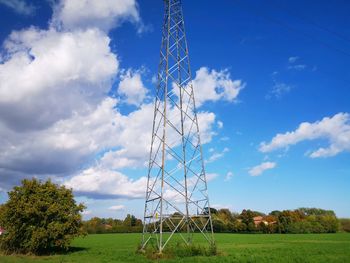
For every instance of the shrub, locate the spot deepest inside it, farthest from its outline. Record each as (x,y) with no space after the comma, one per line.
(39,218)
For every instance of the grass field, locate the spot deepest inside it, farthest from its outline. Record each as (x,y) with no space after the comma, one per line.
(233,247)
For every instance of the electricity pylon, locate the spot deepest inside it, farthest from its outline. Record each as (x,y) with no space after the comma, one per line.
(176,196)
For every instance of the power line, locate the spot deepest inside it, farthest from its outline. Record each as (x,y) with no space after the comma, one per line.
(254,11)
(326,29)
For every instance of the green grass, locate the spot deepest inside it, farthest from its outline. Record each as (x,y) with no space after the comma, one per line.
(232,247)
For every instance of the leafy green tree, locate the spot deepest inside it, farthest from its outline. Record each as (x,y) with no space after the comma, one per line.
(329,223)
(315,211)
(302,220)
(94,226)
(247,216)
(275,213)
(40,217)
(213,211)
(225,215)
(129,222)
(251,227)
(218,225)
(286,218)
(239,227)
(263,228)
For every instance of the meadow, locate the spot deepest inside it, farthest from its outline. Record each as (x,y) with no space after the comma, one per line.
(232,247)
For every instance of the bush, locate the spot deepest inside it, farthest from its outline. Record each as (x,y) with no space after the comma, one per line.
(39,218)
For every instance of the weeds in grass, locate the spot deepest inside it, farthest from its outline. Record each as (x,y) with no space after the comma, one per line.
(178,250)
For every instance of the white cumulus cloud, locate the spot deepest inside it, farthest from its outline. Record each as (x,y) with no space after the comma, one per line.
(133,137)
(212,85)
(336,130)
(86,212)
(131,87)
(217,155)
(228,176)
(103,14)
(97,182)
(19,6)
(50,75)
(220,124)
(56,116)
(117,207)
(293,59)
(292,64)
(259,169)
(54,112)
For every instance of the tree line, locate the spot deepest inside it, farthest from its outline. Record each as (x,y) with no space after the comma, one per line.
(97,225)
(43,217)
(298,221)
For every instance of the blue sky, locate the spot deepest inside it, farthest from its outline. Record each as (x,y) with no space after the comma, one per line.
(288,60)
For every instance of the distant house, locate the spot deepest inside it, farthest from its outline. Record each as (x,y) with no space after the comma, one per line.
(258,220)
(107,226)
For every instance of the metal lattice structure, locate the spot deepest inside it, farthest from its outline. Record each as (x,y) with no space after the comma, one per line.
(176,196)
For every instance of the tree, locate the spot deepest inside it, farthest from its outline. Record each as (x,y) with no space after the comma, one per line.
(218,225)
(316,212)
(213,211)
(239,227)
(40,217)
(225,215)
(345,224)
(302,220)
(275,213)
(247,216)
(286,218)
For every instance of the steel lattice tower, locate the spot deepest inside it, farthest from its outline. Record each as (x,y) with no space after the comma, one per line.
(176,196)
